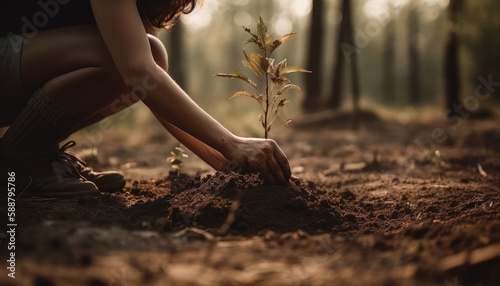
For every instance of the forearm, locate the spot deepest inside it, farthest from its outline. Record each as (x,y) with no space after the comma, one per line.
(170,103)
(211,156)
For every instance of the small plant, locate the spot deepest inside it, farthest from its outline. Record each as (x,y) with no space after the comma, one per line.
(175,160)
(274,84)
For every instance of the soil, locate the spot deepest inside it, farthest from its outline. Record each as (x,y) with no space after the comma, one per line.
(389,204)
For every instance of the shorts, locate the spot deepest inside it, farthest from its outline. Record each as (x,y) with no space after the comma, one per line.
(10,77)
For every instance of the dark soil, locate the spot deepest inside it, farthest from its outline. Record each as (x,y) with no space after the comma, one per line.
(364,208)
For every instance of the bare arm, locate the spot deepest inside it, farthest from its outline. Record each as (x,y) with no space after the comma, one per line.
(125,36)
(205,152)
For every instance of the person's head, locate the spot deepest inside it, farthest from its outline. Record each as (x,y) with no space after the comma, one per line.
(164,13)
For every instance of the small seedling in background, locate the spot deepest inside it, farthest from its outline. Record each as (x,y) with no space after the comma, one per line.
(274,84)
(175,160)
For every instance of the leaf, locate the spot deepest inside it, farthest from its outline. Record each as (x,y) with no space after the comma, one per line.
(269,127)
(280,80)
(253,61)
(262,32)
(176,161)
(254,39)
(268,44)
(287,121)
(264,38)
(245,78)
(283,102)
(292,69)
(244,93)
(281,41)
(238,75)
(278,70)
(180,150)
(286,88)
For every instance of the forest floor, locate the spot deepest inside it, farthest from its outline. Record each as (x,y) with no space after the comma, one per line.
(390,204)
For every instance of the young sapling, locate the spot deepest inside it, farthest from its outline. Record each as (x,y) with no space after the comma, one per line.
(273,83)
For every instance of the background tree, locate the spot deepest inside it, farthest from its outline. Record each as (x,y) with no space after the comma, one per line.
(346,51)
(313,81)
(175,45)
(388,80)
(451,63)
(414,60)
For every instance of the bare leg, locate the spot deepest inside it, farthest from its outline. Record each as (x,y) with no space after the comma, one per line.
(74,68)
(87,81)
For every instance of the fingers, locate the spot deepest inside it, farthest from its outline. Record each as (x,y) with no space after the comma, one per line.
(278,166)
(283,164)
(266,158)
(267,168)
(274,172)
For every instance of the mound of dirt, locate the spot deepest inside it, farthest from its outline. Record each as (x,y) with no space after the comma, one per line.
(248,206)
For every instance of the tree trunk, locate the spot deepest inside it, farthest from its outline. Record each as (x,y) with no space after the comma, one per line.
(176,55)
(338,76)
(388,82)
(451,63)
(315,54)
(414,67)
(354,68)
(347,51)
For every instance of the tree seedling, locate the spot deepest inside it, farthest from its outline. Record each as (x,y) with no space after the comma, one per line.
(273,83)
(175,160)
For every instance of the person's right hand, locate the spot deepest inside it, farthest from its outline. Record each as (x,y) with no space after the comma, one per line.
(263,156)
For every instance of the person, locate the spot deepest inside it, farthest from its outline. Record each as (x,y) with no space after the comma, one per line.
(67,64)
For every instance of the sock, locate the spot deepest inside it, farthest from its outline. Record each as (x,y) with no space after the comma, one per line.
(92,120)
(38,128)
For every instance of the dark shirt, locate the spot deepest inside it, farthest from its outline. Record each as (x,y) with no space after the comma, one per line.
(30,16)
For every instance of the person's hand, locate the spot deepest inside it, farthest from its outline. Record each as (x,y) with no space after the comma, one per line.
(263,156)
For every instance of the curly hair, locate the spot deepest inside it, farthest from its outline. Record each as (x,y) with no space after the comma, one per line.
(164,13)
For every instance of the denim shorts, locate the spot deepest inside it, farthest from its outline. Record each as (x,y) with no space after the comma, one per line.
(10,77)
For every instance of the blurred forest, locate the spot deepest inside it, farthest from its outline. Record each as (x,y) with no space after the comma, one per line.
(408,60)
(396,54)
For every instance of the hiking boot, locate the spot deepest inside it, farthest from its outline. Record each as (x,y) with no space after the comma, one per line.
(45,176)
(108,181)
(56,182)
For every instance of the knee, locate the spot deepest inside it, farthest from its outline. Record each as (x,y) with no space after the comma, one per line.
(159,52)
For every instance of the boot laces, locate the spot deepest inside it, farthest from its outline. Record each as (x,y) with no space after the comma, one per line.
(66,163)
